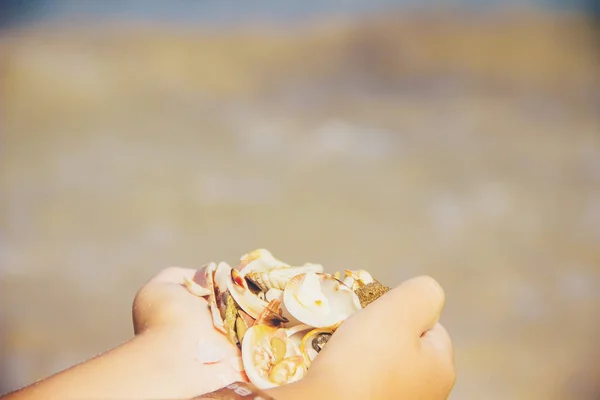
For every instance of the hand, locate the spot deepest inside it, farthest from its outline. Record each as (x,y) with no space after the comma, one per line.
(164,305)
(393,349)
(162,361)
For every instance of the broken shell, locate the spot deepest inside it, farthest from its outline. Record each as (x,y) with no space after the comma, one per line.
(371,292)
(273,294)
(259,359)
(277,278)
(222,276)
(357,279)
(240,328)
(281,316)
(271,316)
(248,301)
(248,320)
(309,338)
(204,279)
(319,300)
(279,348)
(319,342)
(196,289)
(230,320)
(278,294)
(287,370)
(293,338)
(259,260)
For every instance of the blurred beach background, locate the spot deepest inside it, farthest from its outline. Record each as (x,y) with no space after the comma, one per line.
(455,139)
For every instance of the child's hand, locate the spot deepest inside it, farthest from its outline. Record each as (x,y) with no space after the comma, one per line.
(393,349)
(165,307)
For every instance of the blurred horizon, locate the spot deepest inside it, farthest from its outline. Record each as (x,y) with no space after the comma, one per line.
(226,13)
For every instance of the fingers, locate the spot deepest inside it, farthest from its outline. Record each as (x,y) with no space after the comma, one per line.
(439,340)
(437,343)
(417,303)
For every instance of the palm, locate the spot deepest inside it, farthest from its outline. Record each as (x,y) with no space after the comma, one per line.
(165,302)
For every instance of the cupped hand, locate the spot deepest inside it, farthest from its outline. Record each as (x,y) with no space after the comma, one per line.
(164,306)
(395,348)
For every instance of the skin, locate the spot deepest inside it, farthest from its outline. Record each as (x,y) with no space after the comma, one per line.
(412,358)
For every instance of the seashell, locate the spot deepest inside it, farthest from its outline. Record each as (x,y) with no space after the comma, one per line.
(221,277)
(263,361)
(278,294)
(319,300)
(195,288)
(242,323)
(281,316)
(371,292)
(204,279)
(279,348)
(248,320)
(271,316)
(231,315)
(259,260)
(320,341)
(273,294)
(357,279)
(288,370)
(240,328)
(311,353)
(277,278)
(246,300)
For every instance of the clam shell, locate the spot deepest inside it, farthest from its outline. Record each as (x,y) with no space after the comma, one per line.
(221,277)
(278,294)
(319,300)
(259,260)
(273,294)
(204,279)
(246,300)
(277,278)
(259,358)
(271,315)
(357,279)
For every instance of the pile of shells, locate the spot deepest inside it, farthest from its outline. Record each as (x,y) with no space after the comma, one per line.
(280,316)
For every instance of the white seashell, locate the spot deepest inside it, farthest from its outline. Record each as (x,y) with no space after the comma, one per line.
(295,335)
(259,260)
(222,276)
(203,285)
(277,278)
(248,301)
(273,294)
(307,341)
(278,294)
(319,300)
(357,279)
(260,364)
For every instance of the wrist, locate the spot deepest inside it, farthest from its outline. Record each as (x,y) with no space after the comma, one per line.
(174,353)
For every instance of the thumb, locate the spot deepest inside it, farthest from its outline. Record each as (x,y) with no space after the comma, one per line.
(416,304)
